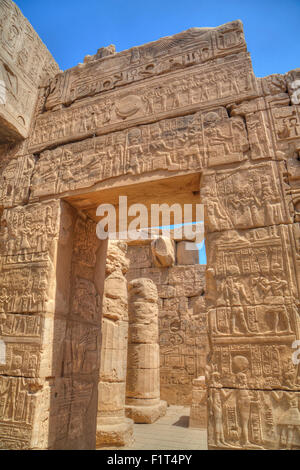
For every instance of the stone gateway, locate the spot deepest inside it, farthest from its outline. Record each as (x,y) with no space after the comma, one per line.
(179,120)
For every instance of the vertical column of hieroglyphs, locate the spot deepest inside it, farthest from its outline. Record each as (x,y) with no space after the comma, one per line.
(24,63)
(252,291)
(143,402)
(113,428)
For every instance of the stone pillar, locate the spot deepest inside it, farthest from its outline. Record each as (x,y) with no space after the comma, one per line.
(143,402)
(198,415)
(113,428)
(50,326)
(30,245)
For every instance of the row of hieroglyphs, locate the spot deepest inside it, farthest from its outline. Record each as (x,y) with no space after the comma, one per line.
(107,69)
(177,93)
(22,398)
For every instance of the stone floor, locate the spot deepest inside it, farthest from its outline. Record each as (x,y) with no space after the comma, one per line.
(170,432)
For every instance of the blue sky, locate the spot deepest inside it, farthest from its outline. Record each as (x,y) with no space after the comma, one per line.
(74,28)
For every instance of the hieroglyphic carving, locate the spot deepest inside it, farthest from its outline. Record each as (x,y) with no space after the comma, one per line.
(15,177)
(182,322)
(106,71)
(245,197)
(164,97)
(198,413)
(71,414)
(256,254)
(27,235)
(28,248)
(24,62)
(286,123)
(18,399)
(258,126)
(26,240)
(254,320)
(133,124)
(253,419)
(186,143)
(82,340)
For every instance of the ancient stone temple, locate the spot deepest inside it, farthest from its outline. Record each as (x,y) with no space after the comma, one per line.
(179,120)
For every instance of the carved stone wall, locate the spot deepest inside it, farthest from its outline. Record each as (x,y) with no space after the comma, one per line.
(25,63)
(182,319)
(181,105)
(50,323)
(253,281)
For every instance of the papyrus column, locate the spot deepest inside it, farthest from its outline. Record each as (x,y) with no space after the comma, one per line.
(113,428)
(143,402)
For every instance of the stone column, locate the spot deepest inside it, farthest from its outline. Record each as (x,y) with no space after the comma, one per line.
(143,402)
(113,428)
(198,415)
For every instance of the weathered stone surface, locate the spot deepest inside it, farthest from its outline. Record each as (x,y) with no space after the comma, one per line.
(24,63)
(187,253)
(242,418)
(146,413)
(108,70)
(183,341)
(163,252)
(190,146)
(113,428)
(122,122)
(143,372)
(198,413)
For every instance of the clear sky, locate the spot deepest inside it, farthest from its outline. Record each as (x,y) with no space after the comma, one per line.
(72,29)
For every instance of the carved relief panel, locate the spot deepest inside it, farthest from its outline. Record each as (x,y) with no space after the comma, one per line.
(178,93)
(186,143)
(24,62)
(245,197)
(104,72)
